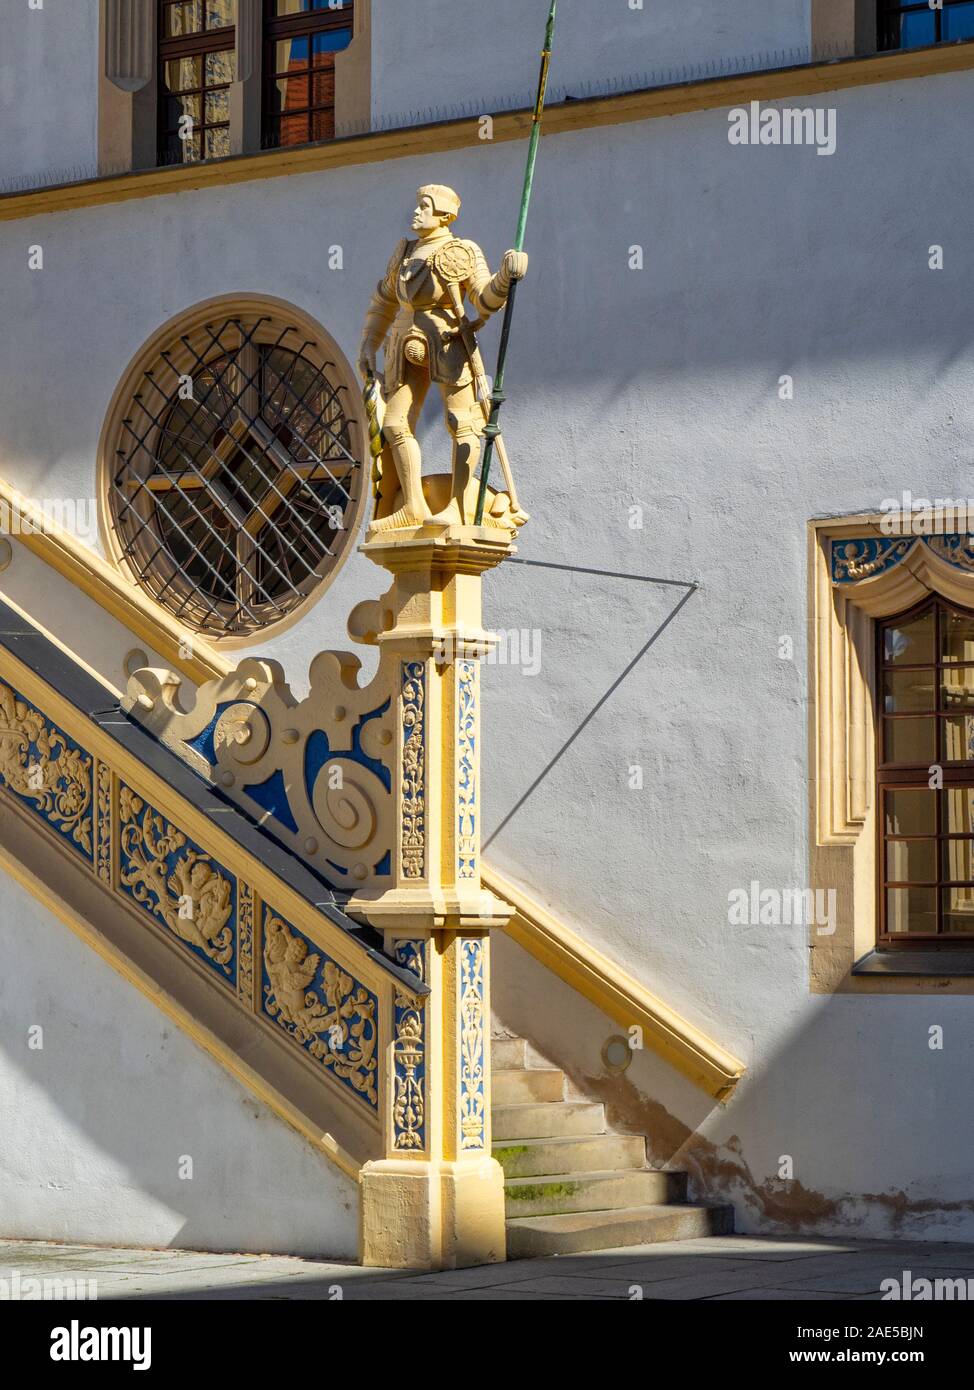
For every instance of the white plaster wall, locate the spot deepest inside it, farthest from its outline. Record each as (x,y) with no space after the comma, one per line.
(657,387)
(96,1123)
(48,88)
(455,53)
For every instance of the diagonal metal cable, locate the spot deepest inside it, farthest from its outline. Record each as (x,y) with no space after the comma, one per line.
(691,589)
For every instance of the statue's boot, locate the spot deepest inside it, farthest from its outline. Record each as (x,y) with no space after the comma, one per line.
(408,459)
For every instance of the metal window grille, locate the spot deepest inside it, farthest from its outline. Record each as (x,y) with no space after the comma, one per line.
(236,478)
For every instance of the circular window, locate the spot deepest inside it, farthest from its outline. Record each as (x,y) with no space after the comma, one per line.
(232,466)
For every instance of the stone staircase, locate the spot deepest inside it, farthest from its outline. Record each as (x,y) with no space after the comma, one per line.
(570,1185)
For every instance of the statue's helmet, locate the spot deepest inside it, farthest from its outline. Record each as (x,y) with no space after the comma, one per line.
(445,202)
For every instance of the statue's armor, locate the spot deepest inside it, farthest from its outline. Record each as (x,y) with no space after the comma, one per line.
(412,303)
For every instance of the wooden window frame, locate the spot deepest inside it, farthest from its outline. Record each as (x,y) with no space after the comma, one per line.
(199,45)
(889,12)
(956,775)
(279,27)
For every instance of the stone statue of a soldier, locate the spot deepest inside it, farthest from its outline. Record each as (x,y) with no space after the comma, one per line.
(417,311)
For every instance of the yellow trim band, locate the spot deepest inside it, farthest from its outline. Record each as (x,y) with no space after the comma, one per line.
(617,994)
(87,571)
(443,136)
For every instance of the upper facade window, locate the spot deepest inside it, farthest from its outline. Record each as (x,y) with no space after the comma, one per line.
(917,25)
(197,63)
(208,48)
(301,38)
(926,776)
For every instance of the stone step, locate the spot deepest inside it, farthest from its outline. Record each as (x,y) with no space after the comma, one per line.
(571,1154)
(588,1192)
(508,1053)
(530,1236)
(541,1121)
(520,1087)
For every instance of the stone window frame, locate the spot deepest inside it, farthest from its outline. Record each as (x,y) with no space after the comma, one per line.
(843,838)
(128,88)
(843,28)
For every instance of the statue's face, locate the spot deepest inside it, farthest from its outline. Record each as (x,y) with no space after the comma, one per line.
(425,217)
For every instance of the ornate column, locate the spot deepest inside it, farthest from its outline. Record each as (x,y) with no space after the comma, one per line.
(437,1197)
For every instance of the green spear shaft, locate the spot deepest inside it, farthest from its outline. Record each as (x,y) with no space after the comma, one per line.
(497,396)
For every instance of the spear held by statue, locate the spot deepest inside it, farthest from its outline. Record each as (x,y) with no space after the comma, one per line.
(497,396)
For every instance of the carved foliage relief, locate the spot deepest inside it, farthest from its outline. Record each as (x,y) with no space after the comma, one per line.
(48,771)
(473,1063)
(409,1055)
(176,882)
(467,675)
(413,813)
(330,1014)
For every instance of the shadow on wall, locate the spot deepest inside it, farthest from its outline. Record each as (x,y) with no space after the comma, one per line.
(99,1122)
(810,1104)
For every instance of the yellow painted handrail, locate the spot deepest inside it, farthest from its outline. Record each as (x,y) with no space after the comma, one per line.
(124,600)
(613,991)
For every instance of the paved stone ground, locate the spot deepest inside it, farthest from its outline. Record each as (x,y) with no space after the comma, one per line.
(716,1268)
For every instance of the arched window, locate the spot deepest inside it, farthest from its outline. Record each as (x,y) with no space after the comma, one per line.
(232,468)
(925,694)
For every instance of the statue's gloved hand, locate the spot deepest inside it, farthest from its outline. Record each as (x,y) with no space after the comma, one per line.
(367,359)
(513,267)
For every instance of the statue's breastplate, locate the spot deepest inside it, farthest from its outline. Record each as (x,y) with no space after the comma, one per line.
(418,286)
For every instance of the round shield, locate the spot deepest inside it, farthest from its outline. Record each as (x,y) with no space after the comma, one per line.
(455,262)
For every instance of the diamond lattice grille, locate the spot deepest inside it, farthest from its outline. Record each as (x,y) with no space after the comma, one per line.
(236,478)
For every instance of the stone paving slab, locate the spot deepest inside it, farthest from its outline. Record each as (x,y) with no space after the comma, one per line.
(713,1268)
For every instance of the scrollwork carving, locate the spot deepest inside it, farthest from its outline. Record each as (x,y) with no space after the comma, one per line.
(320,769)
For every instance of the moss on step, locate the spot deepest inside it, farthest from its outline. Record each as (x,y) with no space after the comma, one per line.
(508,1154)
(538,1191)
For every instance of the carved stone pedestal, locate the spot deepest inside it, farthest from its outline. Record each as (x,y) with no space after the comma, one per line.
(438,1191)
